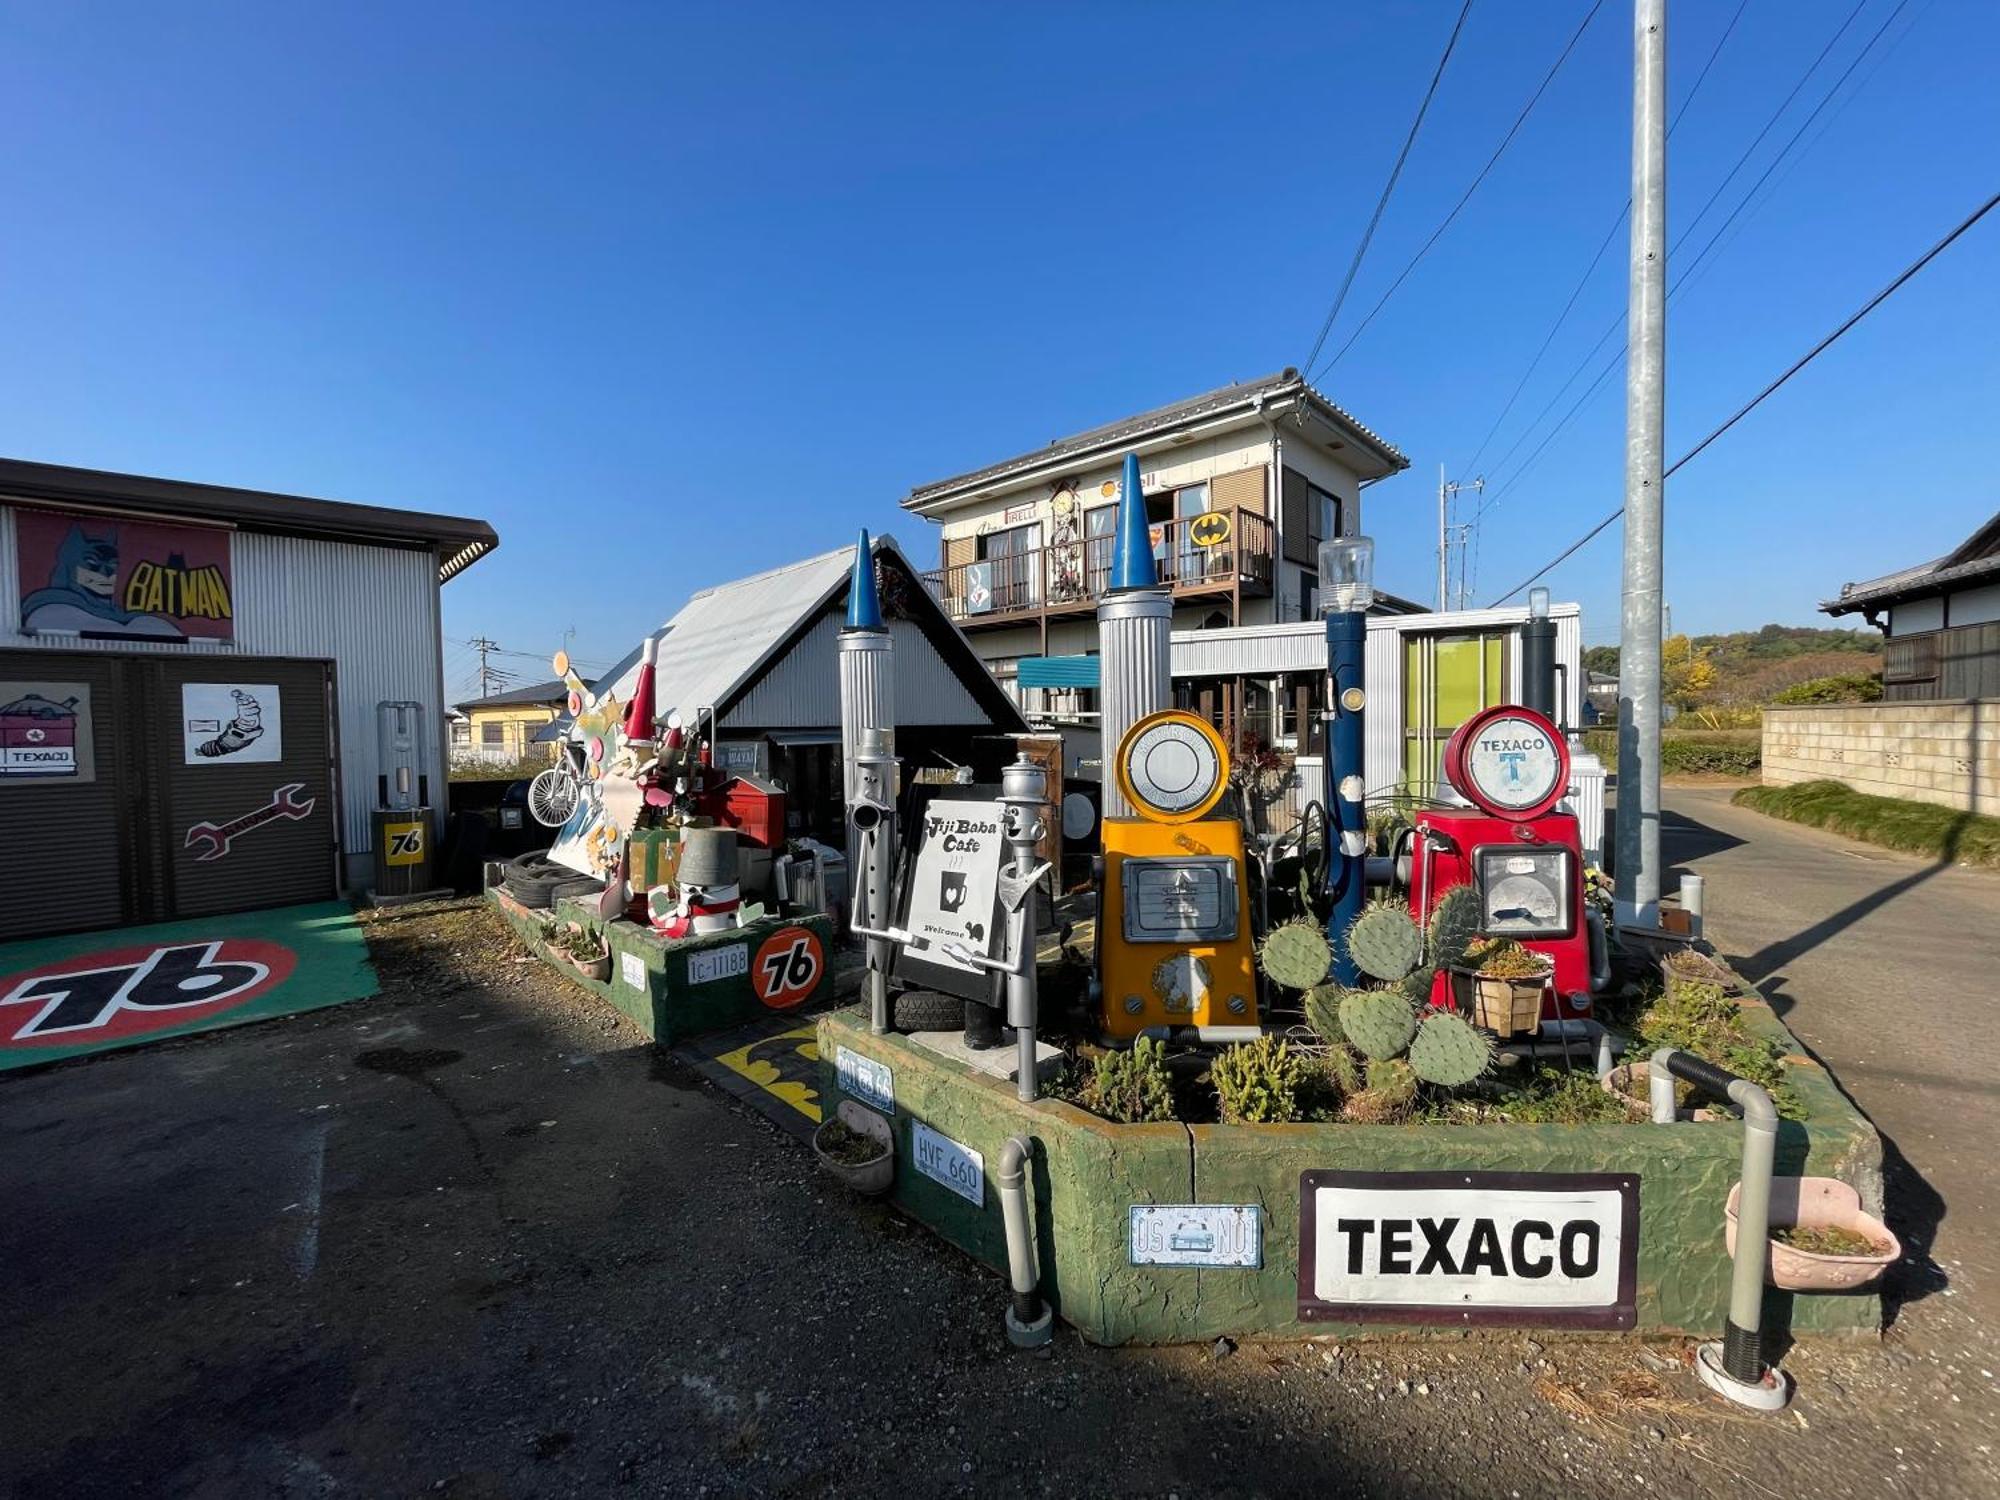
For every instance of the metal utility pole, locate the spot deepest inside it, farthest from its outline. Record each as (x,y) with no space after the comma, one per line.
(1637,888)
(1446,493)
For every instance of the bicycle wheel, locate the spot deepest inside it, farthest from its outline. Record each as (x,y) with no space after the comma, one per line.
(552,797)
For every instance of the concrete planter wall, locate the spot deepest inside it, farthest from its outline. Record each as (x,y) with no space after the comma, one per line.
(1088,1172)
(672,1000)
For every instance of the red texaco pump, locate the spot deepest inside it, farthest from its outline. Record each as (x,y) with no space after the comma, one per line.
(1524,858)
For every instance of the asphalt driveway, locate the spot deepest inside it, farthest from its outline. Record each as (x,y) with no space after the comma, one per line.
(1885,966)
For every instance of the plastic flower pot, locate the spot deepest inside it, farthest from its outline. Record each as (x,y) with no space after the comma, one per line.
(1817,1203)
(870,1178)
(597,968)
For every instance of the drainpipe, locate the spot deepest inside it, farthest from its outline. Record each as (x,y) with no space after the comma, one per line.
(1734,1366)
(1030,1323)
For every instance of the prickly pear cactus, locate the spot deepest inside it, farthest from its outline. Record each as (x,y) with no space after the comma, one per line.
(1416,986)
(1296,954)
(1454,926)
(1379,1022)
(1322,1007)
(1390,1091)
(1384,941)
(1449,1050)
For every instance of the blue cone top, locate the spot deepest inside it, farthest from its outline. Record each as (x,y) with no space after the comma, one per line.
(1132,551)
(864,609)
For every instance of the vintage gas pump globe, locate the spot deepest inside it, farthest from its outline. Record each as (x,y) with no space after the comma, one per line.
(1522,856)
(1175,945)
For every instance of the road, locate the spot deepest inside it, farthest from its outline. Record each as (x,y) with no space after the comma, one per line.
(1884,966)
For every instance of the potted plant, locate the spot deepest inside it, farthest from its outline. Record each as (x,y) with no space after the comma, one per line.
(856,1146)
(1821,1238)
(1506,983)
(1632,1082)
(1679,966)
(586,950)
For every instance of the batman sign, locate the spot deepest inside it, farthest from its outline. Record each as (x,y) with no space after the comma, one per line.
(1209,530)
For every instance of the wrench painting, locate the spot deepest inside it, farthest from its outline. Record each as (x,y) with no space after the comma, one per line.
(286,802)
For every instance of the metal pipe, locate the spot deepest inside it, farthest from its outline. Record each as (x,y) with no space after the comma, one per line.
(1030,1322)
(1346,783)
(1024,789)
(1598,944)
(1638,871)
(1735,1366)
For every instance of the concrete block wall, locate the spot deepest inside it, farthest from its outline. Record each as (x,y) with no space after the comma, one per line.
(1947,752)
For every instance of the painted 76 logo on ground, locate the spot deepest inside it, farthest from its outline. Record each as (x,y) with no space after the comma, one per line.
(126,992)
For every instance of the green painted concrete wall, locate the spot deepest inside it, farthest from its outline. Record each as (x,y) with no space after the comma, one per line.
(669,1008)
(1088,1172)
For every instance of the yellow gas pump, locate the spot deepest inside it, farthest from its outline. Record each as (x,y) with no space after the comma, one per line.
(1174,941)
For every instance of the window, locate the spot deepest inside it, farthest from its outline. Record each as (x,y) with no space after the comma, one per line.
(1324,512)
(1014,559)
(1308,593)
(461,732)
(493,733)
(1006,671)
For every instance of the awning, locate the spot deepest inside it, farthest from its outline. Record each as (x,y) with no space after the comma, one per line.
(1057,672)
(789,737)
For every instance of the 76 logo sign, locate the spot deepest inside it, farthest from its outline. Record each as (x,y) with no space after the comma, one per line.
(788,967)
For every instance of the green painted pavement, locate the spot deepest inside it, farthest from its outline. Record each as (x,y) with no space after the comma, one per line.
(91,992)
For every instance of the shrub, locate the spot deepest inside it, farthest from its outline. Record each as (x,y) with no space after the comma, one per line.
(1717,752)
(1700,1018)
(1257,1083)
(1844,687)
(1555,1096)
(1941,833)
(1130,1087)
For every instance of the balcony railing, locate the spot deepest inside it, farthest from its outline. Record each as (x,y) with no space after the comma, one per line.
(1069,577)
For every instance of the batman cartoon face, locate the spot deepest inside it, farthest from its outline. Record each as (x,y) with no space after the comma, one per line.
(95,566)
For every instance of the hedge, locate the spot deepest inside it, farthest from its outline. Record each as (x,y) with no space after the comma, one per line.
(1941,833)
(1720,752)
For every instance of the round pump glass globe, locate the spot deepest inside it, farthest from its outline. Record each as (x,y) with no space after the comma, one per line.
(1346,574)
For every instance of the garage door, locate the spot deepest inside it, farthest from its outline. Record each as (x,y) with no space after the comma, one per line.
(208,786)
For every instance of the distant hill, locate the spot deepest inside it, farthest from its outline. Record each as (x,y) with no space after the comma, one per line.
(1746,668)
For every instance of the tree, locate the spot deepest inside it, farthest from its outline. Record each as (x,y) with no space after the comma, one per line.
(1687,676)
(1601,659)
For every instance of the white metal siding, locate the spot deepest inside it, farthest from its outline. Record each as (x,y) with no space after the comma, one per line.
(372,611)
(801,690)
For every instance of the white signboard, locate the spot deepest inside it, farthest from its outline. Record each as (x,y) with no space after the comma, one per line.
(1513,762)
(231,723)
(632,969)
(1469,1247)
(708,964)
(1197,1234)
(944,1160)
(866,1079)
(957,875)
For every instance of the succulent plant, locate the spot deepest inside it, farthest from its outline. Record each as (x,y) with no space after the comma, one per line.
(1296,954)
(1449,1050)
(1503,958)
(1342,1069)
(1257,1083)
(1416,986)
(1384,941)
(1455,925)
(1378,1022)
(1391,1090)
(1322,1007)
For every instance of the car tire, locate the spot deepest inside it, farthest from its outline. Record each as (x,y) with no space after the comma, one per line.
(929,1010)
(538,882)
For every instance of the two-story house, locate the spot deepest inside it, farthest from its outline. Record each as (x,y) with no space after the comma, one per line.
(1241,485)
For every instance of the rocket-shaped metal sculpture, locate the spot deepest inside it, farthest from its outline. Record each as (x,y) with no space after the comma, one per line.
(1135,621)
(868,769)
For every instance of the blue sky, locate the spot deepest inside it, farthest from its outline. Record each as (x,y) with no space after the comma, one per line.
(672,294)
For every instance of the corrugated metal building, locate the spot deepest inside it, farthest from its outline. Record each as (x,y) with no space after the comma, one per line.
(760,659)
(152,604)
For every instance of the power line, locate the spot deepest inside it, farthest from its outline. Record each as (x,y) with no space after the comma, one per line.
(1605,244)
(1388,188)
(1755,401)
(1683,277)
(1466,197)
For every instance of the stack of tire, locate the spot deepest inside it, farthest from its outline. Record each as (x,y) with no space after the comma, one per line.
(538,882)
